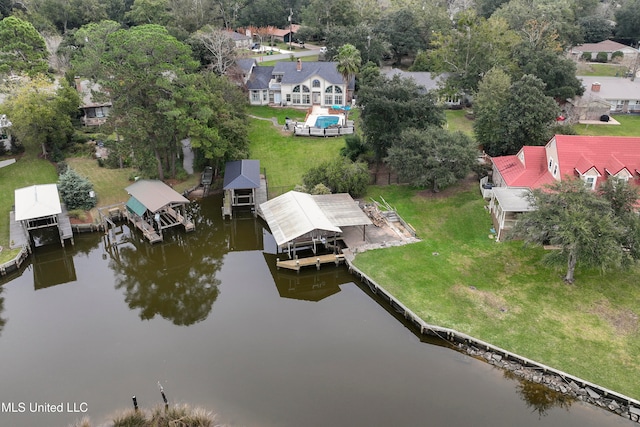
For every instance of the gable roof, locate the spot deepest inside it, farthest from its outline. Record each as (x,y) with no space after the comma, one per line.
(260,77)
(154,195)
(422,78)
(606,154)
(246,64)
(233,35)
(37,201)
(531,173)
(603,46)
(611,88)
(327,71)
(281,33)
(294,214)
(242,174)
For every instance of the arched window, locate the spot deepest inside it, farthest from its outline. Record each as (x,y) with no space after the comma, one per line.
(316,83)
(305,89)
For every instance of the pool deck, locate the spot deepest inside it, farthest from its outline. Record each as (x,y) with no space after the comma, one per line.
(318,111)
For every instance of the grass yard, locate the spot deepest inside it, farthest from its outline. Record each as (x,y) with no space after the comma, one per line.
(629,126)
(263,60)
(287,158)
(28,170)
(456,121)
(597,69)
(505,294)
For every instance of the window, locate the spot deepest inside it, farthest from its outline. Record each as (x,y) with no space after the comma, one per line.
(288,98)
(590,181)
(264,95)
(255,96)
(306,98)
(337,99)
(550,163)
(316,83)
(555,170)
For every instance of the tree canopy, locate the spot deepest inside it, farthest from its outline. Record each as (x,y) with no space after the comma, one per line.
(22,48)
(580,223)
(391,105)
(432,157)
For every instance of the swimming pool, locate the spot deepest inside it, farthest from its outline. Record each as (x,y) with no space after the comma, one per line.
(326,121)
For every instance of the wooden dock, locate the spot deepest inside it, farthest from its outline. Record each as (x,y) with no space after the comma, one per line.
(261,194)
(296,264)
(18,236)
(64,226)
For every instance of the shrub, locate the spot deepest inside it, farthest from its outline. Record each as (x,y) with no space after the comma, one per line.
(340,175)
(617,54)
(76,191)
(354,148)
(586,56)
(602,57)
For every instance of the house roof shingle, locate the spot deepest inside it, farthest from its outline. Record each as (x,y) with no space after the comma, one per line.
(532,173)
(260,77)
(603,46)
(325,70)
(242,174)
(611,88)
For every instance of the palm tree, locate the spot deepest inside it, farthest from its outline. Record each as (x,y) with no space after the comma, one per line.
(349,61)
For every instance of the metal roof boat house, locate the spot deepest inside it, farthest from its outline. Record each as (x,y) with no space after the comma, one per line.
(38,207)
(154,206)
(304,221)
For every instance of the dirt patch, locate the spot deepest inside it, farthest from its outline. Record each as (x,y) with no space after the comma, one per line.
(623,322)
(460,187)
(86,219)
(489,303)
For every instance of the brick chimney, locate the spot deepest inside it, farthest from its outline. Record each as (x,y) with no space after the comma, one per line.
(595,87)
(299,65)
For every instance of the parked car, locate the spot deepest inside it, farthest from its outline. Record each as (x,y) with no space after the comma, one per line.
(255,46)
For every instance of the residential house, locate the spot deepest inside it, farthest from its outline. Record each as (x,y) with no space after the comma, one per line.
(608,46)
(591,158)
(242,41)
(622,94)
(94,102)
(298,84)
(430,83)
(286,35)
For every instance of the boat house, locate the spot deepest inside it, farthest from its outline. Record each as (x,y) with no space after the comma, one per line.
(154,206)
(38,207)
(241,182)
(304,221)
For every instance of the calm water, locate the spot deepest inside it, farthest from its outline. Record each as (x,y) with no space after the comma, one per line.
(209,317)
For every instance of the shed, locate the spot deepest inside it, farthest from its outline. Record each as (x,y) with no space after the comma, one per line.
(506,204)
(241,181)
(154,206)
(38,206)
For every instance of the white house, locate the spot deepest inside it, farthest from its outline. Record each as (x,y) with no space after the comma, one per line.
(298,84)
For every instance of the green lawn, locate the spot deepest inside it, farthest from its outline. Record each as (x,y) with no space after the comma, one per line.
(597,69)
(287,158)
(629,126)
(504,294)
(28,170)
(457,121)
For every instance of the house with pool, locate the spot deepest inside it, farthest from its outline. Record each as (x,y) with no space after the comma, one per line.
(297,84)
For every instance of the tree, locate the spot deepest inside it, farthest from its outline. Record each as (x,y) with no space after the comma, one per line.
(432,157)
(628,21)
(471,49)
(391,105)
(90,42)
(220,46)
(494,93)
(42,118)
(149,12)
(340,175)
(142,69)
(403,31)
(76,191)
(22,49)
(372,47)
(349,61)
(583,225)
(595,28)
(557,72)
(526,118)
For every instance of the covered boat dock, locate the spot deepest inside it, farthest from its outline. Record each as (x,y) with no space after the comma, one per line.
(243,186)
(304,221)
(154,206)
(38,207)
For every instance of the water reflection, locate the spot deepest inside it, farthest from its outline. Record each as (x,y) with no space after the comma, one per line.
(538,397)
(166,279)
(308,284)
(52,266)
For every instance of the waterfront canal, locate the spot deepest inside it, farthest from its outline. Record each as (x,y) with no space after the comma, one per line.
(209,317)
